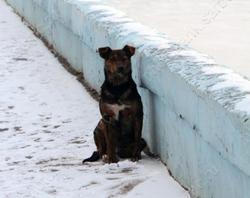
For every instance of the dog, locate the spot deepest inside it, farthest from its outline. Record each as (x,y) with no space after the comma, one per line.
(118,133)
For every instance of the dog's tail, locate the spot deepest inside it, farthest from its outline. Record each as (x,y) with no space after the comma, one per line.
(145,148)
(94,157)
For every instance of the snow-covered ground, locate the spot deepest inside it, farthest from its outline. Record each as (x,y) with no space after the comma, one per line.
(46,124)
(219,28)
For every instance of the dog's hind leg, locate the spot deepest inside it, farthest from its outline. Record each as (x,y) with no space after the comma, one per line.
(144,147)
(100,142)
(143,144)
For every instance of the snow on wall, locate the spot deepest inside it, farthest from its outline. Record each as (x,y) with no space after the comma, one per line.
(197,113)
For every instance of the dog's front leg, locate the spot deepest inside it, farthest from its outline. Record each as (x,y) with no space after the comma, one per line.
(136,155)
(111,142)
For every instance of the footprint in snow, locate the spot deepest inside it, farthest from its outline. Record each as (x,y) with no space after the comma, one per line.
(124,188)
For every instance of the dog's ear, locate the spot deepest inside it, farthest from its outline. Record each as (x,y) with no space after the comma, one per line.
(104,52)
(130,51)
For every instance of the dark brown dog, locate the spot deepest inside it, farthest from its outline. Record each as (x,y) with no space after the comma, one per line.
(118,133)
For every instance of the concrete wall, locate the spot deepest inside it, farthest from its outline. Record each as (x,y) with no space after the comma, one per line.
(197,114)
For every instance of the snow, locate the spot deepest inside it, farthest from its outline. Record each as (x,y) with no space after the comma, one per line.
(46,124)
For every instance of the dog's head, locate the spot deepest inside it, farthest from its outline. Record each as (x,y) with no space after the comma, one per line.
(117,64)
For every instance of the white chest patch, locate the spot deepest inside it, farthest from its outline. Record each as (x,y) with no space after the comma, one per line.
(117,108)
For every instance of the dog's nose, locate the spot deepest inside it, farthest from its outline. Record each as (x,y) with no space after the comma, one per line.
(120,69)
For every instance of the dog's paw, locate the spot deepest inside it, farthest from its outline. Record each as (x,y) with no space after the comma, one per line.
(136,157)
(105,158)
(109,160)
(114,160)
